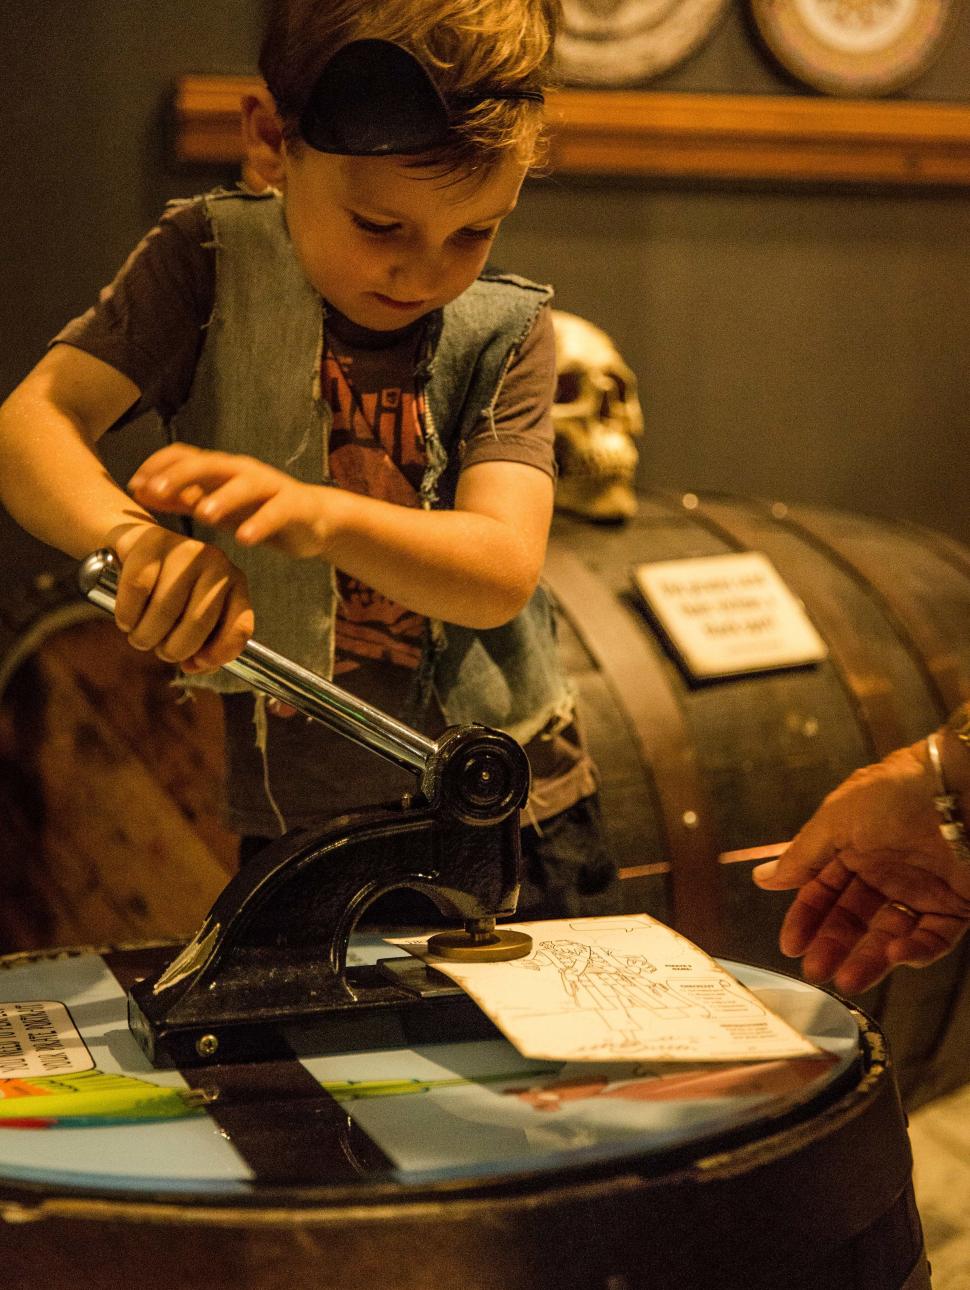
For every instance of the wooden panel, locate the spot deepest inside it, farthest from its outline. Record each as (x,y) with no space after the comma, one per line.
(207,117)
(109,795)
(698,136)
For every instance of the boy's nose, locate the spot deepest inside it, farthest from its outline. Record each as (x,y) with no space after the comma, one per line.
(418,276)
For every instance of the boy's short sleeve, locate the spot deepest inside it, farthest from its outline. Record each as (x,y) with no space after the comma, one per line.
(522,429)
(149,322)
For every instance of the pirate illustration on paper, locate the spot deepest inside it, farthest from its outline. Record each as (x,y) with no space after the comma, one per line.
(599,981)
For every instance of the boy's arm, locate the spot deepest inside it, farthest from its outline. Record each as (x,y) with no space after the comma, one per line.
(51,480)
(176,596)
(475,565)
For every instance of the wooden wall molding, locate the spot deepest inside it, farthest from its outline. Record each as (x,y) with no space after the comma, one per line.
(690,136)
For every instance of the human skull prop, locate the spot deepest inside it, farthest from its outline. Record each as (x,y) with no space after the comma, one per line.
(597,419)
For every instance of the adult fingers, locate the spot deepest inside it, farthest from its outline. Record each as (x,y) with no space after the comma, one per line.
(869,960)
(921,944)
(932,937)
(811,907)
(837,936)
(805,916)
(862,969)
(812,848)
(925,875)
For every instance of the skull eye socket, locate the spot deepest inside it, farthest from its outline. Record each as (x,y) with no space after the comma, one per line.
(568,387)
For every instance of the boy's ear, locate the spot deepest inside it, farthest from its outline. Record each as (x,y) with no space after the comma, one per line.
(262,135)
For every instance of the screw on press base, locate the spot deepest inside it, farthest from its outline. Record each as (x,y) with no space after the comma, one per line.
(480,943)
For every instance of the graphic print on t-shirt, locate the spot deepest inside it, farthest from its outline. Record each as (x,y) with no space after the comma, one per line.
(375,449)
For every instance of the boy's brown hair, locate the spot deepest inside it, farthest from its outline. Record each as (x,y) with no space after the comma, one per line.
(463,45)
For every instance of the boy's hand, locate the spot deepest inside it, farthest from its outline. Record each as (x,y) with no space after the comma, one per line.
(181,598)
(229,491)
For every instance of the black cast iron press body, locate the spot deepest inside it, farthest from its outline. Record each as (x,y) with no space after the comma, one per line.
(267,970)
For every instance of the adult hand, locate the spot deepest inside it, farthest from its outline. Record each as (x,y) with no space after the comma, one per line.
(179,597)
(257,502)
(869,855)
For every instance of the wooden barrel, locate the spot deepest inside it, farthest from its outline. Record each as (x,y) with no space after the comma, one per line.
(695,769)
(109,784)
(460,1164)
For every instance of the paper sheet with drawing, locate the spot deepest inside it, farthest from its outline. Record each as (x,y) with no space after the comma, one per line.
(623,988)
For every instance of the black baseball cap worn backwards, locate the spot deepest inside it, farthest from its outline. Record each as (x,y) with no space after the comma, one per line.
(373,99)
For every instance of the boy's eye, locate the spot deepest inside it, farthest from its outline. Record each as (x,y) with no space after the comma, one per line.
(376,228)
(477,234)
(371,226)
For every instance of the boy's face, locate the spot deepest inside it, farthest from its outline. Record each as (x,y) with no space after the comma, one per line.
(385,244)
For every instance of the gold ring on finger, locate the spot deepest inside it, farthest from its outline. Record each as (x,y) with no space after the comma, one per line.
(903,908)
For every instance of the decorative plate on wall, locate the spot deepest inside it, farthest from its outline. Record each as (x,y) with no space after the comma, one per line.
(854,47)
(623,42)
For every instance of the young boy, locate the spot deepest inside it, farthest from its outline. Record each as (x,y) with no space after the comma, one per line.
(342,386)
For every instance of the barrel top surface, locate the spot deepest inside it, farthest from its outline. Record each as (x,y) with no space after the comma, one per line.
(408,1117)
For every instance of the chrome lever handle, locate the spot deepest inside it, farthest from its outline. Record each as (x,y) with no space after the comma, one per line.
(282,679)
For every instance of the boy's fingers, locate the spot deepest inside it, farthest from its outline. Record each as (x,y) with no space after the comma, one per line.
(169,477)
(235,627)
(281,709)
(160,460)
(183,598)
(185,591)
(233,501)
(183,504)
(135,588)
(201,615)
(265,522)
(288,523)
(169,599)
(175,505)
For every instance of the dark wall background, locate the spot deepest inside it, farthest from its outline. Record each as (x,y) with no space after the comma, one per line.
(796,344)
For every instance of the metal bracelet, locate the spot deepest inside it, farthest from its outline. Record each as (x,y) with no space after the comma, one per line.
(959,724)
(947,805)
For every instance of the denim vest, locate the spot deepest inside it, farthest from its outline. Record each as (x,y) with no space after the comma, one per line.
(257,391)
